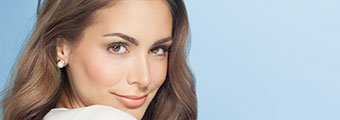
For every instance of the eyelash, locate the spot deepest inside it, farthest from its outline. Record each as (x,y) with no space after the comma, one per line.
(165,48)
(117,44)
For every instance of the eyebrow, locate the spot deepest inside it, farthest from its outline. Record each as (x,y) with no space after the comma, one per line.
(134,41)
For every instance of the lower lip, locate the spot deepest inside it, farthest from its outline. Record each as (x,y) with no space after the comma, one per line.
(131,103)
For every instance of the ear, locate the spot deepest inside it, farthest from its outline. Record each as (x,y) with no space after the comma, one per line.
(63,49)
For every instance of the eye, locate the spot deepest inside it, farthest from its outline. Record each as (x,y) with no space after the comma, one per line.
(117,48)
(160,51)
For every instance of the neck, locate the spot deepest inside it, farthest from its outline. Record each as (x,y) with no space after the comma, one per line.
(68,101)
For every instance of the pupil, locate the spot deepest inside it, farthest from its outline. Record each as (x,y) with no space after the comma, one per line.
(156,50)
(116,48)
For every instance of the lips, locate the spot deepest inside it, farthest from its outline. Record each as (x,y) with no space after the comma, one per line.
(131,101)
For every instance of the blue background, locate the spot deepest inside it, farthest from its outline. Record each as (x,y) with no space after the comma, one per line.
(253,59)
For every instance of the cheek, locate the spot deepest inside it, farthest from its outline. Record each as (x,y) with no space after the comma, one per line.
(99,69)
(158,72)
(101,72)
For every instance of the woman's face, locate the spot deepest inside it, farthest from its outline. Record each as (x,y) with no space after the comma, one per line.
(121,59)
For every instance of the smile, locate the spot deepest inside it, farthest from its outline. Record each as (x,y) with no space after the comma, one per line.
(131,101)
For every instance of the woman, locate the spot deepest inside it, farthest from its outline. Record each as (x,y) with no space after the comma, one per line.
(116,58)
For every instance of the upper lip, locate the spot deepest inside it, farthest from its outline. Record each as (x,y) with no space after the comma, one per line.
(133,97)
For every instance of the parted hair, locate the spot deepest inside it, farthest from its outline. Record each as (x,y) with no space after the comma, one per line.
(36,82)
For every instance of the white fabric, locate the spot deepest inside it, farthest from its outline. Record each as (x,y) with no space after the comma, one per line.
(95,112)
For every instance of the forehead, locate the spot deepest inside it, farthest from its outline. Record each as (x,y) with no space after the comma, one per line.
(142,19)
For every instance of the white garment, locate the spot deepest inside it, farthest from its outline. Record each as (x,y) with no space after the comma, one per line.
(94,112)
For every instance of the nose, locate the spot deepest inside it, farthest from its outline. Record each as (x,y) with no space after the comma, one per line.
(140,72)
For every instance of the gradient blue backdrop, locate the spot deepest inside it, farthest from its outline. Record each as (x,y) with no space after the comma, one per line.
(253,59)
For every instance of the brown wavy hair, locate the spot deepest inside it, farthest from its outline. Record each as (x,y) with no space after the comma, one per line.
(37,83)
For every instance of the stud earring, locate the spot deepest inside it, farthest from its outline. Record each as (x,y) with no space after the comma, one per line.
(61,64)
